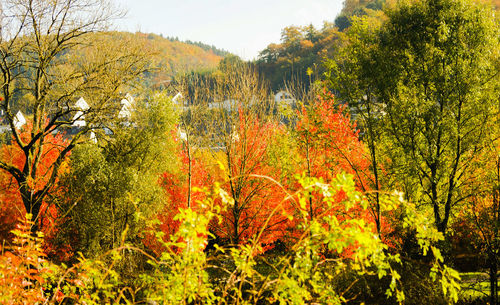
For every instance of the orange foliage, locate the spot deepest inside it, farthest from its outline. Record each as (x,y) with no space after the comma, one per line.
(246,180)
(258,201)
(176,187)
(21,269)
(11,205)
(329,145)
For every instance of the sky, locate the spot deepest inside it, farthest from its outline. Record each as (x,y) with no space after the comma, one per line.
(241,27)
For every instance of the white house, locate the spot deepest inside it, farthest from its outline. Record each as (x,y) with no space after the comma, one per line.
(19,120)
(177,98)
(284,97)
(79,117)
(93,137)
(127,107)
(81,104)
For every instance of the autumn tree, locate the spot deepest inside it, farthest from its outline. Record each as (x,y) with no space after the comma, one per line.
(48,59)
(240,129)
(185,188)
(327,144)
(11,205)
(258,202)
(431,71)
(113,185)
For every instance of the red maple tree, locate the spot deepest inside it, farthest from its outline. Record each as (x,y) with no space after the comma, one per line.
(328,144)
(177,191)
(258,208)
(12,208)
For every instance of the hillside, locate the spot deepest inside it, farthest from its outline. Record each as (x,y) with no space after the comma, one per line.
(171,56)
(301,49)
(305,48)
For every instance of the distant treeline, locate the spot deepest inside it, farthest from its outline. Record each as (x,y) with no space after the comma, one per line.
(204,46)
(302,50)
(300,54)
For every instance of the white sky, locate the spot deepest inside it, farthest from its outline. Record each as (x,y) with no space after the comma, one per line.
(241,27)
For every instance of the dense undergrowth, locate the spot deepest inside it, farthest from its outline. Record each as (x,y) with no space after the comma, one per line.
(332,262)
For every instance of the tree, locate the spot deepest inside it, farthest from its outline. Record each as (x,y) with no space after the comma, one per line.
(351,78)
(184,188)
(444,71)
(11,204)
(113,186)
(48,59)
(328,145)
(258,203)
(432,68)
(239,128)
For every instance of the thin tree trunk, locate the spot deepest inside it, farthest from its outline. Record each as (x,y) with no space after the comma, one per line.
(189,174)
(493,278)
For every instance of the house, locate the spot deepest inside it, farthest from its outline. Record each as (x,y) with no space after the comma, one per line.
(93,137)
(178,98)
(79,117)
(19,120)
(127,106)
(284,97)
(81,104)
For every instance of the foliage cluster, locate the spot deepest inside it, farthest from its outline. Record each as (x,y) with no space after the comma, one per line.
(220,196)
(183,273)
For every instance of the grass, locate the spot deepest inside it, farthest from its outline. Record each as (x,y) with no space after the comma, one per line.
(475,285)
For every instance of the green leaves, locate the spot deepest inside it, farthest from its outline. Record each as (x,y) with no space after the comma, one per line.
(422,86)
(114,184)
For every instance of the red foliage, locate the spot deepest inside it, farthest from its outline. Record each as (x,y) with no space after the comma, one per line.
(176,187)
(21,269)
(11,206)
(245,178)
(258,201)
(328,145)
(331,142)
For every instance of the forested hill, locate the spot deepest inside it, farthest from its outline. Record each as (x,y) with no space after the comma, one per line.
(303,49)
(372,8)
(171,56)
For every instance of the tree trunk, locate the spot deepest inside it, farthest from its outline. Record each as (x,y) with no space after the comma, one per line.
(32,206)
(492,261)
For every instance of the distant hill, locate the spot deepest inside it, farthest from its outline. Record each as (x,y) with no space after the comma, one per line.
(171,56)
(204,46)
(303,49)
(300,53)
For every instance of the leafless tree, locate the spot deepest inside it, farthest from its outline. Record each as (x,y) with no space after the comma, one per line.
(52,53)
